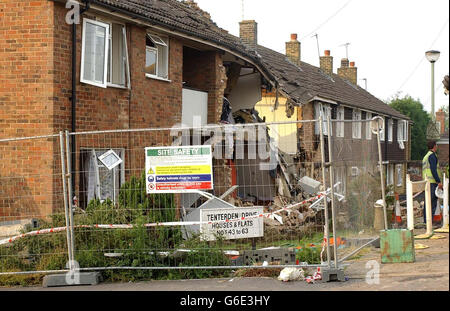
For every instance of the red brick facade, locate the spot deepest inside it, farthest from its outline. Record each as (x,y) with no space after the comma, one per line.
(35,91)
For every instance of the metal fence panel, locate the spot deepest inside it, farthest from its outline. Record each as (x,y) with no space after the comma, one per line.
(33,234)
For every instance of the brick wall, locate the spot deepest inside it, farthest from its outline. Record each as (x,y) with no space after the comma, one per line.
(35,90)
(26,107)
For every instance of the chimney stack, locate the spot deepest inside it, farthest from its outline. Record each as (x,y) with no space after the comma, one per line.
(293,50)
(248,32)
(326,63)
(348,71)
(440,117)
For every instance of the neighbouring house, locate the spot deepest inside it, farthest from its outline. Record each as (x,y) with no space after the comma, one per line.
(305,91)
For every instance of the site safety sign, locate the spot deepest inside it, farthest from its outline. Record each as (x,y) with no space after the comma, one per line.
(178,169)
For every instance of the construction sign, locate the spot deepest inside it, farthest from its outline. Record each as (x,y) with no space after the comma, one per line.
(178,169)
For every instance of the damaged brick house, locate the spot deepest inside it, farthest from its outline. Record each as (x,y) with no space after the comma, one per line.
(137,64)
(305,91)
(146,64)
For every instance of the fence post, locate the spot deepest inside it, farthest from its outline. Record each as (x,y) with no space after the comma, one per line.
(409,203)
(66,205)
(326,231)
(383,193)
(70,193)
(330,168)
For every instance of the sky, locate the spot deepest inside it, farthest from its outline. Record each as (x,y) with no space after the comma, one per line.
(388,39)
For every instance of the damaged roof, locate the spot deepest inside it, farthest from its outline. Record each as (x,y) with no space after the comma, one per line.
(176,15)
(301,83)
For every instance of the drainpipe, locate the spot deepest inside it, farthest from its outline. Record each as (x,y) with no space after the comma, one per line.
(74,92)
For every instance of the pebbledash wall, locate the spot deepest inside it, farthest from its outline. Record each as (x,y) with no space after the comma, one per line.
(35,91)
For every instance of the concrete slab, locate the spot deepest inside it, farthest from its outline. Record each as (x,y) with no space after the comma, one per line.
(81,278)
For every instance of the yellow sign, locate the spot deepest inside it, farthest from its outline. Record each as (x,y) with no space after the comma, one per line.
(151,172)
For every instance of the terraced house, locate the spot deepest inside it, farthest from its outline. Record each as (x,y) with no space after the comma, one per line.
(133,64)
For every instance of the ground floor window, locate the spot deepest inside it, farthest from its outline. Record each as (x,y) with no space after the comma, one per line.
(96,180)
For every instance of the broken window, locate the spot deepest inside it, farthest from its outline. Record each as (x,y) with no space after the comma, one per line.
(104,54)
(97,180)
(323,110)
(157,56)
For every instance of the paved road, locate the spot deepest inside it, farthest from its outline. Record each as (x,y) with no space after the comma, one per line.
(430,272)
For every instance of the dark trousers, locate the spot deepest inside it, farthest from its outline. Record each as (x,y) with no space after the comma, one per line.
(434,200)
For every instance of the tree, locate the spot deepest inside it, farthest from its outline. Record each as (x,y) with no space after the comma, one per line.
(413,108)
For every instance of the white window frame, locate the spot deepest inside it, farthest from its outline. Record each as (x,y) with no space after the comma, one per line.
(157,40)
(390,130)
(368,128)
(127,62)
(83,45)
(383,131)
(402,130)
(389,174)
(399,172)
(340,126)
(356,126)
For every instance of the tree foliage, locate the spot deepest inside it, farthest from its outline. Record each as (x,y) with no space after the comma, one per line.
(413,108)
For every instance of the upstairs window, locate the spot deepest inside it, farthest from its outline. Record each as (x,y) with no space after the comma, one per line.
(104,54)
(157,57)
(94,53)
(340,126)
(383,131)
(118,73)
(324,111)
(356,126)
(368,128)
(402,130)
(390,130)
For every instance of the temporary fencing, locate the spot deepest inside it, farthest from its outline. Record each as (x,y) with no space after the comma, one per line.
(32,199)
(160,199)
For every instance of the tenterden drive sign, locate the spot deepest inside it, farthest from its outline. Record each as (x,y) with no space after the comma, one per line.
(178,169)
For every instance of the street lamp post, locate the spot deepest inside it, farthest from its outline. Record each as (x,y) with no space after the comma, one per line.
(432,56)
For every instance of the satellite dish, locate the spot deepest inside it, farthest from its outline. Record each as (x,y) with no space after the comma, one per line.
(377,123)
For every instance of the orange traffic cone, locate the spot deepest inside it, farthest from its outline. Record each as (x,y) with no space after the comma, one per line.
(398,211)
(437,217)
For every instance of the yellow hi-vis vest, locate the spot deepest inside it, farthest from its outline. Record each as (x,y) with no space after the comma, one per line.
(426,169)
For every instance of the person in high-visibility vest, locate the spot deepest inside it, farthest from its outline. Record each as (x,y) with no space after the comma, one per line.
(432,173)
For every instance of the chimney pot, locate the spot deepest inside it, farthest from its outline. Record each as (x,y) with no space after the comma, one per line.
(294,37)
(326,63)
(348,71)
